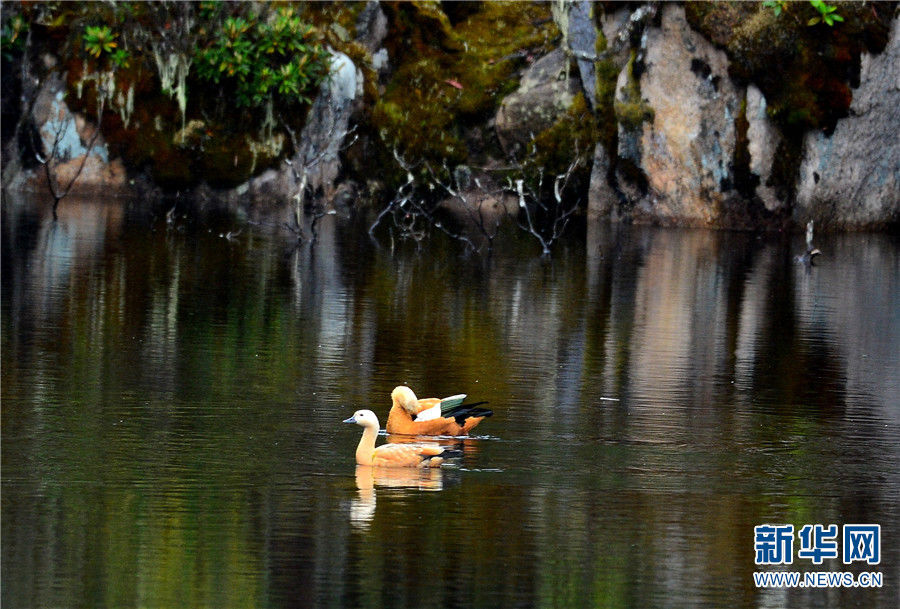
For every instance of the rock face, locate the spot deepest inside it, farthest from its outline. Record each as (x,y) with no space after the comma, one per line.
(75,154)
(686,152)
(696,149)
(763,139)
(676,141)
(544,94)
(576,20)
(852,178)
(327,123)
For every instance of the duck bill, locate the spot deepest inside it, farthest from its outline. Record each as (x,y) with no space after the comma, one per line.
(350,420)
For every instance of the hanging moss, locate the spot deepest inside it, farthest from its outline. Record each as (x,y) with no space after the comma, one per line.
(607,74)
(183,127)
(632,111)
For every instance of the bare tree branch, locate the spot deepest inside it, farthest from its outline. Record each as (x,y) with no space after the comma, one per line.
(541,216)
(52,161)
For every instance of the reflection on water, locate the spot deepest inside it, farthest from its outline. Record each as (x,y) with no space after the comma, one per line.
(368,478)
(172,403)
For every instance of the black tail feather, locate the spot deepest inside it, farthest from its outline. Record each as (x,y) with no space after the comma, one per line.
(468,411)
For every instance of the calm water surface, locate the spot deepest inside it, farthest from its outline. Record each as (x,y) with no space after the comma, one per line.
(171,408)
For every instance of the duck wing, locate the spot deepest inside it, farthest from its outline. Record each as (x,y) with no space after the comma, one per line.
(428,414)
(453,407)
(439,408)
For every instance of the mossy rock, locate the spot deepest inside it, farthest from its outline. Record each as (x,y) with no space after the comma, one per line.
(631,110)
(450,77)
(570,141)
(545,94)
(213,142)
(222,147)
(805,71)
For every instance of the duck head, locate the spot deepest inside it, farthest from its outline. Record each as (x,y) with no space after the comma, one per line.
(363,418)
(405,398)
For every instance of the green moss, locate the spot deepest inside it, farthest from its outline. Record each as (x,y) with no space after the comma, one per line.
(448,78)
(498,39)
(816,65)
(607,74)
(326,15)
(632,111)
(575,133)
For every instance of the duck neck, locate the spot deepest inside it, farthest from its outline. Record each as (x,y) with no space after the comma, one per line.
(366,445)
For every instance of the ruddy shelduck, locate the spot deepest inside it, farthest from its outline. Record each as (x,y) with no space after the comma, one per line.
(432,416)
(392,455)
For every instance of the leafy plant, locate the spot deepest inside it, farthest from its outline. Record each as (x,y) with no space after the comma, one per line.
(776,5)
(11,36)
(826,14)
(263,60)
(99,39)
(826,11)
(121,58)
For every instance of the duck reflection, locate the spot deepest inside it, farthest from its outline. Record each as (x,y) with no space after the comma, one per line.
(368,477)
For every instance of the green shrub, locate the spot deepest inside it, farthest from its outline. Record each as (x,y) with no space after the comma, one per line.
(281,60)
(826,15)
(99,39)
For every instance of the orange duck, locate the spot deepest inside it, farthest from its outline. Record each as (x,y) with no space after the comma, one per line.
(432,416)
(392,455)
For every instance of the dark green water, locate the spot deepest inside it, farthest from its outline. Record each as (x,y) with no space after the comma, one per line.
(171,408)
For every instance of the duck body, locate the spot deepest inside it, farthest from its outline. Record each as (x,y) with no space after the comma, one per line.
(432,416)
(392,455)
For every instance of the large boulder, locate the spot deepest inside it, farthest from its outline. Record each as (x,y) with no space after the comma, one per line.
(685,152)
(851,179)
(546,92)
(328,123)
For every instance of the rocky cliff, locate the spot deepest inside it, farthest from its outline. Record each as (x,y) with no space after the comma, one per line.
(705,114)
(699,146)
